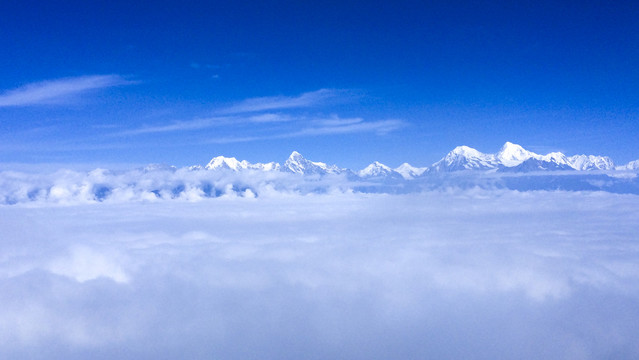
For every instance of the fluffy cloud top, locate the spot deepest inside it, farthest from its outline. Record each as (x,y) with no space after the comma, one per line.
(460,274)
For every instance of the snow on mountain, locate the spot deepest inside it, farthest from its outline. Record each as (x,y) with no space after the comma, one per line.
(296,163)
(513,155)
(558,159)
(378,169)
(512,158)
(221,162)
(633,165)
(591,162)
(547,163)
(410,172)
(465,158)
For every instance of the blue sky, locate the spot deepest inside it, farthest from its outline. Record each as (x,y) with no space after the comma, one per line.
(346,82)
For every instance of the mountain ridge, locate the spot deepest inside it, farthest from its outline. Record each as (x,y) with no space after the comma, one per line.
(511,158)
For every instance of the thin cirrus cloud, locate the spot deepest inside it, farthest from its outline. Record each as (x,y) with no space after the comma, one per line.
(198,124)
(267,111)
(58,91)
(333,126)
(269,103)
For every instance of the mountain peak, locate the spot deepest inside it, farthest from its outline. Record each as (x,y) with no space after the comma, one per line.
(295,155)
(511,147)
(591,162)
(379,170)
(464,150)
(465,158)
(231,163)
(514,154)
(222,162)
(296,163)
(408,171)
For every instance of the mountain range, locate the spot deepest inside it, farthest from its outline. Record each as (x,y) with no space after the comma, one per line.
(511,158)
(511,168)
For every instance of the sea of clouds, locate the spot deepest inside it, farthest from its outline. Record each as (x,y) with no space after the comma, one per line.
(160,182)
(279,270)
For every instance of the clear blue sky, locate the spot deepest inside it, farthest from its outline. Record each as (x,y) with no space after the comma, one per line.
(346,82)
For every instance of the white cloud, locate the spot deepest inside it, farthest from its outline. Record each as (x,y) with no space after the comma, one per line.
(464,274)
(260,112)
(269,103)
(196,124)
(205,123)
(58,91)
(310,127)
(333,126)
(84,264)
(349,126)
(269,118)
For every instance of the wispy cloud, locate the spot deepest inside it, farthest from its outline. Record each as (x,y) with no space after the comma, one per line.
(269,118)
(196,124)
(268,103)
(266,116)
(347,126)
(325,127)
(58,91)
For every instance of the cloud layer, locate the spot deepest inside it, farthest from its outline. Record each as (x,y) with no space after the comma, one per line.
(466,274)
(161,182)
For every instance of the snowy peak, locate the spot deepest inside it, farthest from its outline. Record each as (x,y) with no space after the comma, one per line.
(465,151)
(230,163)
(226,163)
(557,158)
(633,165)
(591,162)
(296,163)
(465,158)
(513,155)
(410,172)
(512,158)
(375,169)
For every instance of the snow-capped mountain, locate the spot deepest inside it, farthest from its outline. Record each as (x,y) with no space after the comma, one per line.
(510,158)
(465,158)
(513,155)
(513,158)
(536,164)
(633,165)
(591,162)
(296,163)
(226,163)
(410,172)
(553,171)
(378,169)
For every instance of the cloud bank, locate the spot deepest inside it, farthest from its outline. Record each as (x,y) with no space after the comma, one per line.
(162,182)
(464,274)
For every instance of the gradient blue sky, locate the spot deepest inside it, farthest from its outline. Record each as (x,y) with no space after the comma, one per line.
(346,82)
